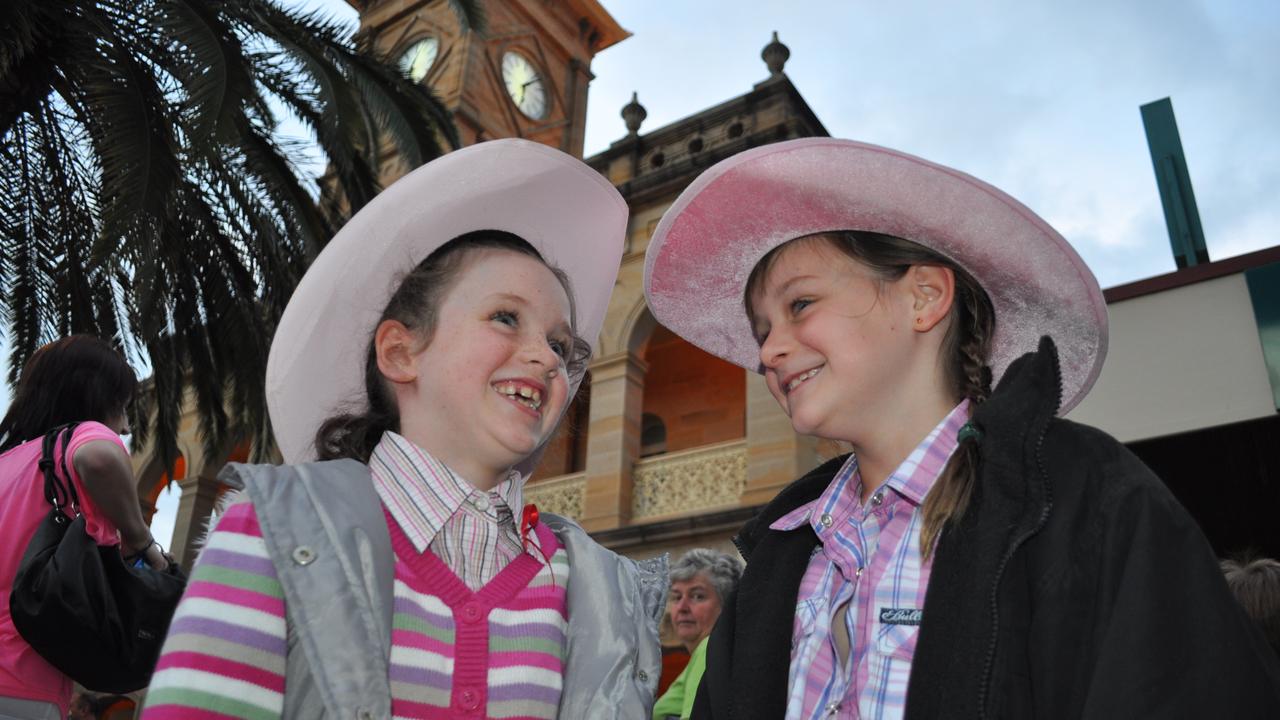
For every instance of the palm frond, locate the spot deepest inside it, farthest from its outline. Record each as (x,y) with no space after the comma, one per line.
(146,195)
(214,70)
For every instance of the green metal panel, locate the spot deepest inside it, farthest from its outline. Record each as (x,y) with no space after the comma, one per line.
(1180,214)
(1264,291)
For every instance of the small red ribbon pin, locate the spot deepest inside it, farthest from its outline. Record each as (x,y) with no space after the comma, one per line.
(529,521)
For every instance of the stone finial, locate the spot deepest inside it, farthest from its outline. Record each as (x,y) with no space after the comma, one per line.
(633,113)
(775,55)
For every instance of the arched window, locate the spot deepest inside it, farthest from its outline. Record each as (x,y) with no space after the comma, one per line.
(653,435)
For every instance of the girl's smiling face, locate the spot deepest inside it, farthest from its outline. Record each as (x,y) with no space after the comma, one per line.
(835,342)
(490,385)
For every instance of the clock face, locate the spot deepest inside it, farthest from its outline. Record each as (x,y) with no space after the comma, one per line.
(417,60)
(524,85)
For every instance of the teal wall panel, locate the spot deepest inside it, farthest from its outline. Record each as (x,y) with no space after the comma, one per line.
(1264,292)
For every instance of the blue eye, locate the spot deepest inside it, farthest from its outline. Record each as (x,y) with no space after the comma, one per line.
(800,304)
(506,317)
(560,348)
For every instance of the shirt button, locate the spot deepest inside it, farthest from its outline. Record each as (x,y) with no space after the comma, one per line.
(304,555)
(877,498)
(469,699)
(825,520)
(363,714)
(644,676)
(481,502)
(471,612)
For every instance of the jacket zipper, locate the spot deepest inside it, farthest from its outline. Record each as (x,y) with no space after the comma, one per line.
(1004,561)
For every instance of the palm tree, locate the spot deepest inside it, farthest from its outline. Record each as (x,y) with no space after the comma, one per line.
(146,194)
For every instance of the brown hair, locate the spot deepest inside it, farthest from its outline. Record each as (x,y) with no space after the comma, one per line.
(966,348)
(77,378)
(416,303)
(1256,585)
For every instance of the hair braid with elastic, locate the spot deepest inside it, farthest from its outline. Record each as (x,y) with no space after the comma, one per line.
(973,323)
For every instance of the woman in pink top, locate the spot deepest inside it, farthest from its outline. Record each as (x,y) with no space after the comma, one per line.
(76,379)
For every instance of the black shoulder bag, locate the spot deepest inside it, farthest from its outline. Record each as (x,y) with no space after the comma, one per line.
(79,605)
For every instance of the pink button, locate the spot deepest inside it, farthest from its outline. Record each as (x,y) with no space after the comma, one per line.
(471,612)
(469,699)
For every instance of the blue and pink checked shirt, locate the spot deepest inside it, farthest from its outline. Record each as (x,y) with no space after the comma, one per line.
(868,557)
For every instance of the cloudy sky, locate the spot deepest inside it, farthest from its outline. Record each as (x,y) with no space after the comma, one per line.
(1040,99)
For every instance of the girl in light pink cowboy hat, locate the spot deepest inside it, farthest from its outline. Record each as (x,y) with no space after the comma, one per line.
(424,360)
(976,555)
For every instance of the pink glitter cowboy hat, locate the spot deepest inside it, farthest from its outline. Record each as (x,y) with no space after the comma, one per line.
(570,213)
(707,243)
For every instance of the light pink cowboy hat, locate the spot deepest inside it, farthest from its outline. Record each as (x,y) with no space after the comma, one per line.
(707,243)
(570,213)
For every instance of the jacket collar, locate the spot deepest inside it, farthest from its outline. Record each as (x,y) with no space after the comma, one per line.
(1031,390)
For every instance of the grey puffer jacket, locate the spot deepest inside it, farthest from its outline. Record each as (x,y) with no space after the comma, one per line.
(325,532)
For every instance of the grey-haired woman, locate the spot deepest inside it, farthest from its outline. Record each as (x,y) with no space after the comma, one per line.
(700,583)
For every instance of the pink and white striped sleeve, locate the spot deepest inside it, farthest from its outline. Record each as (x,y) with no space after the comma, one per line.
(225,653)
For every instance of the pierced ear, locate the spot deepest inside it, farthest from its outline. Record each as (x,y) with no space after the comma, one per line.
(933,289)
(395,344)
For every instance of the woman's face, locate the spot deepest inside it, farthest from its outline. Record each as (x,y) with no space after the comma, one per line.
(490,386)
(694,607)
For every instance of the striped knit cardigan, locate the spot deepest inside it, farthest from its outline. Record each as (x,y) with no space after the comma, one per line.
(335,578)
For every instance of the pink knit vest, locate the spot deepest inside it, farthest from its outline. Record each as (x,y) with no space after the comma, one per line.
(497,652)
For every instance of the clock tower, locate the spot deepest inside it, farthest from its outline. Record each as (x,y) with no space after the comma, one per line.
(525,76)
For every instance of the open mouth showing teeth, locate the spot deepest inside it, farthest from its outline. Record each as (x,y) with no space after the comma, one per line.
(795,382)
(523,394)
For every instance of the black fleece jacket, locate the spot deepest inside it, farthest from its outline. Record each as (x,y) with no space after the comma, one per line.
(1075,586)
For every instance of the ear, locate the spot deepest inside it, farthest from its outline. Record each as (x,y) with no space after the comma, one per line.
(395,345)
(933,289)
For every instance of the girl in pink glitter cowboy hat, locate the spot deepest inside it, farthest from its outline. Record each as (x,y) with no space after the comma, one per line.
(976,555)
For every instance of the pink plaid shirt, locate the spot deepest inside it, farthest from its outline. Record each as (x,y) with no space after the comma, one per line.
(869,557)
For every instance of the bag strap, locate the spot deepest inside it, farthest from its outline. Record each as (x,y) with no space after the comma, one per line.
(59,496)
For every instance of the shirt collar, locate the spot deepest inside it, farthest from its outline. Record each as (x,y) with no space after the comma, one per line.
(422,493)
(912,479)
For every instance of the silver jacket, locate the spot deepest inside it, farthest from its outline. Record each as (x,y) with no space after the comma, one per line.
(326,535)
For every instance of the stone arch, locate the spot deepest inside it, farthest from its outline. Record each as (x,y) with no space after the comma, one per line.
(639,327)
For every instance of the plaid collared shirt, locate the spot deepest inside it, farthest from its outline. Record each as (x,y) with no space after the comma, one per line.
(473,532)
(868,557)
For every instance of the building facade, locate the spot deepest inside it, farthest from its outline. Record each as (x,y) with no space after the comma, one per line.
(667,447)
